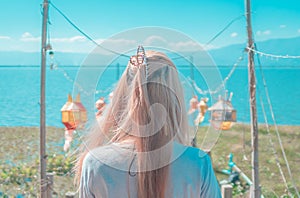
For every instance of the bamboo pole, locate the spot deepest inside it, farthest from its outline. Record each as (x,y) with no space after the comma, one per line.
(252,92)
(43,156)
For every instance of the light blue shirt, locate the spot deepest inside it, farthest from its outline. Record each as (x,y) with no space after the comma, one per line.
(105,174)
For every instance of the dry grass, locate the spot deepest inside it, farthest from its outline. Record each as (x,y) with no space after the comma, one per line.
(238,141)
(20,145)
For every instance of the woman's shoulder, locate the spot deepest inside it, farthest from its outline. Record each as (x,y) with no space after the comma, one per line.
(191,155)
(111,155)
(189,150)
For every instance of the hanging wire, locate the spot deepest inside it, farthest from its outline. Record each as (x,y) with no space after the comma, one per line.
(225,28)
(48,41)
(275,124)
(66,75)
(244,126)
(223,84)
(272,145)
(272,55)
(80,88)
(85,34)
(216,36)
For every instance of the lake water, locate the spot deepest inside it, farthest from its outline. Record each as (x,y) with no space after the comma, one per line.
(20,93)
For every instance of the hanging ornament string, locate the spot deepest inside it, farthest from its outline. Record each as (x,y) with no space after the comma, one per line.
(275,125)
(273,147)
(223,85)
(225,28)
(272,55)
(79,87)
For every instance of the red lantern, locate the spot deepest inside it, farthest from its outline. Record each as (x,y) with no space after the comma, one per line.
(73,114)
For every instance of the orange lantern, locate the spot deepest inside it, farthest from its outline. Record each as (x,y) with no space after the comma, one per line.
(73,114)
(223,115)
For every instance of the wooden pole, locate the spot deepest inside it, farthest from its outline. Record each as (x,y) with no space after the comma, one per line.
(43,156)
(50,177)
(252,92)
(226,191)
(194,141)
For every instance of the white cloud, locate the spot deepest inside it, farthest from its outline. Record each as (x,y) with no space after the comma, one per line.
(120,45)
(267,32)
(184,46)
(77,38)
(121,41)
(282,26)
(123,45)
(260,33)
(155,41)
(5,38)
(68,40)
(298,30)
(27,37)
(99,40)
(233,34)
(179,46)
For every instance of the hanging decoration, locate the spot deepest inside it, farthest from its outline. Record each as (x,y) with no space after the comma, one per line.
(223,115)
(193,104)
(52,65)
(273,55)
(100,105)
(200,106)
(73,116)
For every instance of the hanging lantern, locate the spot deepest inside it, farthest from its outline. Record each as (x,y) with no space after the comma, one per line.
(202,107)
(74,114)
(51,54)
(223,115)
(100,105)
(193,104)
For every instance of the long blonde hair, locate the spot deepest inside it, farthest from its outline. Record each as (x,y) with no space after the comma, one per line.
(147,104)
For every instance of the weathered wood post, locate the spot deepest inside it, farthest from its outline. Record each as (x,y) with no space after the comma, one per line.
(226,191)
(253,112)
(49,184)
(43,156)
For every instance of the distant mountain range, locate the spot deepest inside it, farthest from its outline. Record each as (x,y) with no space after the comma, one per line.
(225,56)
(288,46)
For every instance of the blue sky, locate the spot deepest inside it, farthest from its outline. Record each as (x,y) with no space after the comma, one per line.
(21,21)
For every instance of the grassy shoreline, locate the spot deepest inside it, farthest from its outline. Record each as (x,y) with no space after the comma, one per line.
(20,149)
